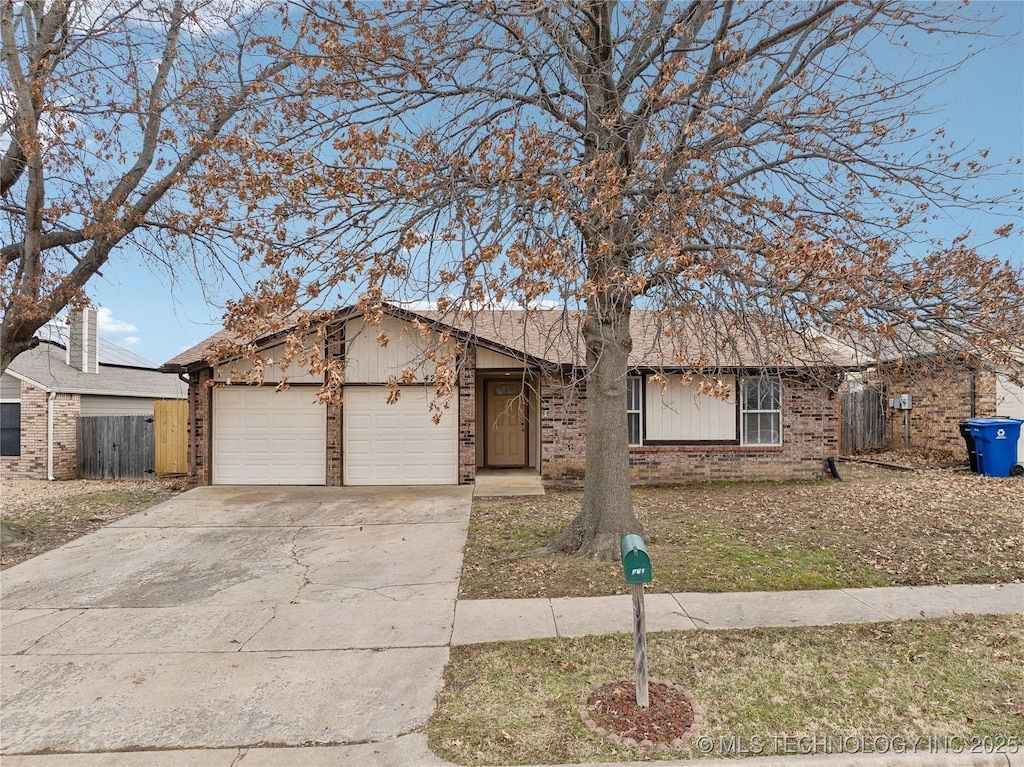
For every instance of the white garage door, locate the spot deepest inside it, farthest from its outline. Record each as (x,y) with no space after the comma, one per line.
(263,437)
(398,444)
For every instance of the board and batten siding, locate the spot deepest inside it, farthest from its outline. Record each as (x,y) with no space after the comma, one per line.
(679,413)
(93,405)
(237,370)
(488,359)
(10,388)
(366,361)
(1010,404)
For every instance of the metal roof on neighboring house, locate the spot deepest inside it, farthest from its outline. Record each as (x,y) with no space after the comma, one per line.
(110,354)
(45,367)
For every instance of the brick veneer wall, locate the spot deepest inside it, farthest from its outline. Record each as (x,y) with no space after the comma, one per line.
(563,424)
(32,463)
(66,410)
(200,400)
(335,349)
(940,397)
(810,436)
(810,419)
(467,418)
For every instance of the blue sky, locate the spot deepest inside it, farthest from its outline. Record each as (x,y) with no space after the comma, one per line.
(981,105)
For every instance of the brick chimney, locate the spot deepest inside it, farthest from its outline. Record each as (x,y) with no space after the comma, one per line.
(83,351)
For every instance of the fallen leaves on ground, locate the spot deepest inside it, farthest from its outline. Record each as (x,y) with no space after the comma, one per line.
(876,527)
(49,514)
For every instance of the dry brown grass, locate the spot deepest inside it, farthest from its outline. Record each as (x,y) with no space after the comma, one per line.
(882,687)
(49,514)
(875,528)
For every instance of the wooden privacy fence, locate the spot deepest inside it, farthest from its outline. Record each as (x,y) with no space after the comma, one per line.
(115,447)
(863,424)
(171,432)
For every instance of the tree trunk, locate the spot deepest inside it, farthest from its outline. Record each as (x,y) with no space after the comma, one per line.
(607,512)
(16,336)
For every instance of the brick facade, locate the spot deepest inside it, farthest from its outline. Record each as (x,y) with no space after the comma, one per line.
(200,405)
(810,422)
(32,463)
(563,424)
(810,436)
(335,350)
(941,395)
(467,418)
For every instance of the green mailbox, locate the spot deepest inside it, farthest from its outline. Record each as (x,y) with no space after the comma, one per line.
(635,561)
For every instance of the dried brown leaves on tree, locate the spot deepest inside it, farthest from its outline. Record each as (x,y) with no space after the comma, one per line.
(753,170)
(709,159)
(109,111)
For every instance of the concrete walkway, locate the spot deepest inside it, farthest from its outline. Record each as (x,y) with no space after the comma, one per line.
(491,620)
(500,483)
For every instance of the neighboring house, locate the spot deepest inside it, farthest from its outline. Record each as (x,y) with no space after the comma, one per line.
(71,373)
(520,402)
(944,388)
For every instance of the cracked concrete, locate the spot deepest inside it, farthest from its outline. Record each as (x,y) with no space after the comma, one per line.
(229,620)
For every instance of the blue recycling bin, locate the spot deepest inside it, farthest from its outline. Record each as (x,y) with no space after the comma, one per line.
(996,442)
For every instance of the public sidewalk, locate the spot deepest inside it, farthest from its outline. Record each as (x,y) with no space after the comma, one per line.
(492,620)
(489,620)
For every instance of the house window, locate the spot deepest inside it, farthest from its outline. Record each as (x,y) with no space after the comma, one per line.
(634,408)
(10,429)
(762,411)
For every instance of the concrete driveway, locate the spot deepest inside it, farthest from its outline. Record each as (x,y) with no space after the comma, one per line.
(238,619)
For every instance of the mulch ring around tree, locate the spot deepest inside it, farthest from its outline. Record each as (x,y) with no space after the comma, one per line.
(671,718)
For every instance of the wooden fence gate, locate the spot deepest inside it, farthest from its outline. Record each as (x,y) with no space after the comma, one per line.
(171,426)
(115,447)
(863,424)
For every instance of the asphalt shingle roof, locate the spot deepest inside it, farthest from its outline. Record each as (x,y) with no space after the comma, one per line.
(555,337)
(45,366)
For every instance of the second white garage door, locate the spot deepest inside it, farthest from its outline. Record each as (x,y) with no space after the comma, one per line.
(263,437)
(398,444)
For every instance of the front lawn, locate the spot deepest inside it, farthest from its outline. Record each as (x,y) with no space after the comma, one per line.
(45,515)
(877,527)
(945,686)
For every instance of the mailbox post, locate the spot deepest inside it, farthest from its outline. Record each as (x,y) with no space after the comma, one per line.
(636,565)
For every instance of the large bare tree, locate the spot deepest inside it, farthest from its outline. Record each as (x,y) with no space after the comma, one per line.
(109,110)
(759,159)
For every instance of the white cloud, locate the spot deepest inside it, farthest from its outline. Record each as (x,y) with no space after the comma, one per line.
(108,324)
(130,340)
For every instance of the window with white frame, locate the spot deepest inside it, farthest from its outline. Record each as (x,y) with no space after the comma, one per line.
(634,408)
(761,411)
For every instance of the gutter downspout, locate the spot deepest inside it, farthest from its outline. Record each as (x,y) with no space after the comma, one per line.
(186,379)
(49,435)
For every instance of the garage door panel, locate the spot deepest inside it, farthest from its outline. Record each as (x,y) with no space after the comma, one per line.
(264,437)
(398,444)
